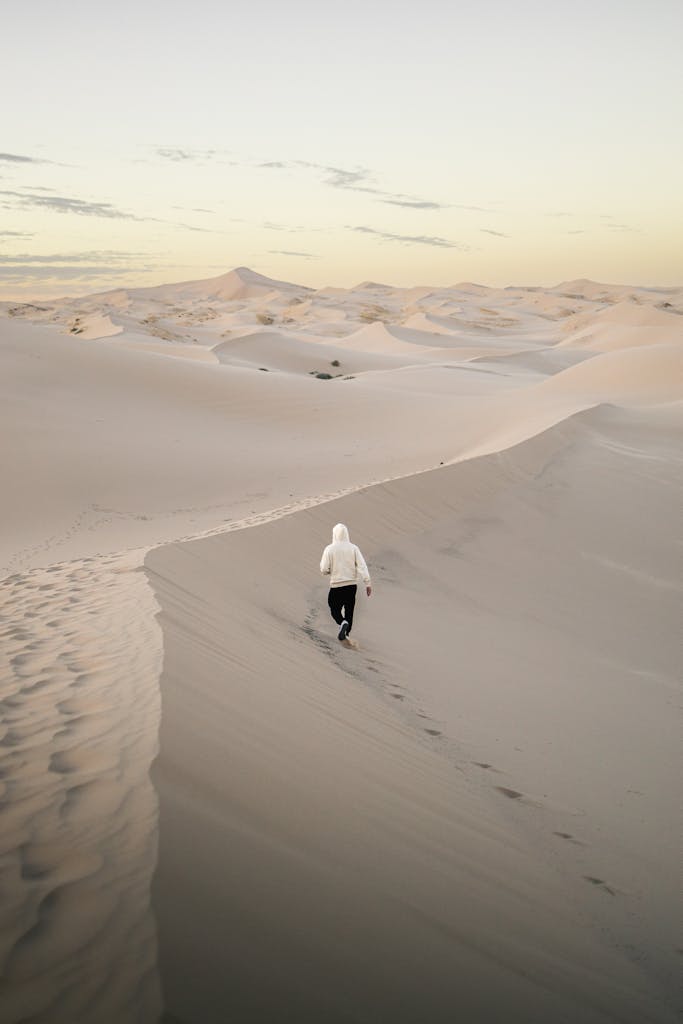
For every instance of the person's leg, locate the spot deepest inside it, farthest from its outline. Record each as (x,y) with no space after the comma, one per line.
(335,600)
(349,603)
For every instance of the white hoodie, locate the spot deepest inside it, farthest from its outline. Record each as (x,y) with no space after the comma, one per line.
(343,561)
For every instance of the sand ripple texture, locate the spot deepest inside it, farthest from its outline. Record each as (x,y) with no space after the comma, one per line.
(79,726)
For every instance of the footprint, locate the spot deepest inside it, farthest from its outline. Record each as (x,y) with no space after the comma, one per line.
(569,837)
(433,732)
(601,882)
(512,794)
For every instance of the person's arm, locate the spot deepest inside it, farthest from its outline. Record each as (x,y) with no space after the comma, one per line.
(326,563)
(362,568)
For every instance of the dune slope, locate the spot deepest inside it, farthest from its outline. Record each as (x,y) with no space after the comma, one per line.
(431,821)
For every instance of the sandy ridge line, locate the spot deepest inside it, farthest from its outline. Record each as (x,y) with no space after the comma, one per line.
(489,446)
(260,518)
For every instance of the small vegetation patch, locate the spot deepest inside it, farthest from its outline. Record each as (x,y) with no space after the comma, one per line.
(372,313)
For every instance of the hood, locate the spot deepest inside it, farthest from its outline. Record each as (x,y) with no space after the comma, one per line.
(340,532)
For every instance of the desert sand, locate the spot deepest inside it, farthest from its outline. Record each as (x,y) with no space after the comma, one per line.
(213,810)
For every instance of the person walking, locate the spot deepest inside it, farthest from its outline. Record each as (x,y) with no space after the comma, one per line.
(343,562)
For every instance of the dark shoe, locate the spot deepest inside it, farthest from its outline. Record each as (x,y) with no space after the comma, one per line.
(343,630)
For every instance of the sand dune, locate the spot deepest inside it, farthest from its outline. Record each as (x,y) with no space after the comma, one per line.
(95,326)
(240,283)
(623,325)
(280,350)
(380,337)
(363,811)
(653,373)
(475,814)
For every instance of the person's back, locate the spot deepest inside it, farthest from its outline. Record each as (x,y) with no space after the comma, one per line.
(344,563)
(344,558)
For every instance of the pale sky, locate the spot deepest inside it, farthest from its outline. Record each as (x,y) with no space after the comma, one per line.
(499,141)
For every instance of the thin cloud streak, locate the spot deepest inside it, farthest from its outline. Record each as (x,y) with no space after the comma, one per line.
(292,229)
(14,158)
(26,259)
(614,226)
(288,252)
(415,204)
(194,209)
(360,180)
(177,155)
(180,155)
(34,273)
(433,240)
(67,204)
(85,208)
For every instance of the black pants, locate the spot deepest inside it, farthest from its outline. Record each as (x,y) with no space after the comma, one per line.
(342,601)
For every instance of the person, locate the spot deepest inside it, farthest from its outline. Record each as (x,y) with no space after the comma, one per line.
(343,562)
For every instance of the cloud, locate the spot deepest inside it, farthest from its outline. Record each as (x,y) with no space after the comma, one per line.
(67,204)
(292,229)
(98,264)
(175,154)
(476,209)
(490,231)
(82,272)
(94,256)
(559,213)
(187,227)
(193,209)
(83,208)
(429,204)
(359,180)
(613,225)
(13,158)
(179,155)
(73,266)
(16,234)
(183,155)
(415,204)
(441,243)
(288,252)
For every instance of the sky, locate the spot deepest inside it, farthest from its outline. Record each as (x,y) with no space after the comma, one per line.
(498,141)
